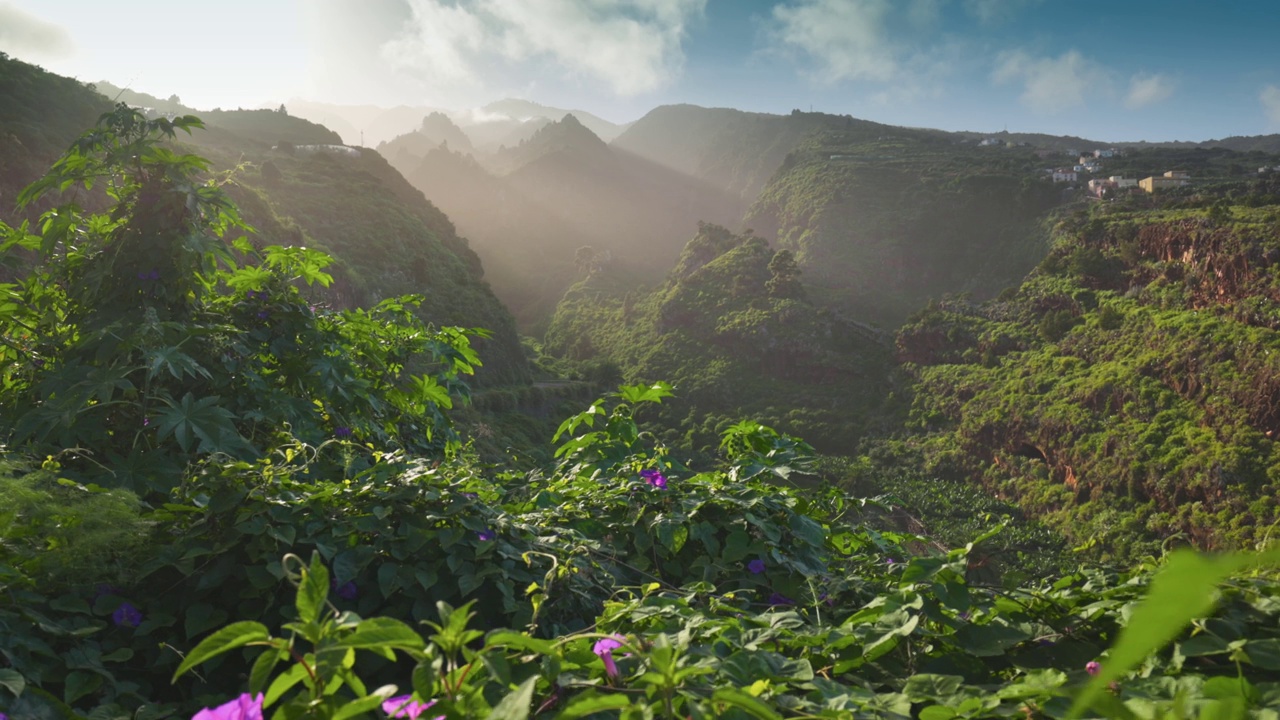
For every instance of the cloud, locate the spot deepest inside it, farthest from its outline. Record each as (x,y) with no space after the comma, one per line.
(992,12)
(1270,98)
(1052,85)
(1146,89)
(28,36)
(846,38)
(632,46)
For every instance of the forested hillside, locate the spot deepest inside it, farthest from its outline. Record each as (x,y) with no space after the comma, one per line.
(734,331)
(731,149)
(881,222)
(1127,391)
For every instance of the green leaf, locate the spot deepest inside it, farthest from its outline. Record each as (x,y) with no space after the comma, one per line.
(313,591)
(355,708)
(932,687)
(1263,653)
(744,702)
(1184,589)
(591,702)
(937,712)
(519,641)
(262,667)
(13,681)
(991,639)
(383,631)
(283,682)
(515,706)
(80,683)
(228,638)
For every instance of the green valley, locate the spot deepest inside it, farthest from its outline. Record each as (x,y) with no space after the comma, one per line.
(654,413)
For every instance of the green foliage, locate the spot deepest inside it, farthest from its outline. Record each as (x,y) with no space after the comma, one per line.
(883,219)
(731,343)
(1124,393)
(140,336)
(64,534)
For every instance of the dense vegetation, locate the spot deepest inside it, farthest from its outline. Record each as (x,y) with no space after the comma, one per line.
(734,330)
(238,454)
(642,587)
(881,222)
(1125,391)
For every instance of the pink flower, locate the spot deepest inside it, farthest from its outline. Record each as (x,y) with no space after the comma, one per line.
(604,647)
(1092,667)
(404,706)
(245,707)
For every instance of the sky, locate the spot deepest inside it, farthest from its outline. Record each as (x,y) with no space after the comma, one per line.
(1119,70)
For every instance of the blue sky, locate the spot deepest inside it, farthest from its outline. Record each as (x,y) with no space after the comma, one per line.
(1113,70)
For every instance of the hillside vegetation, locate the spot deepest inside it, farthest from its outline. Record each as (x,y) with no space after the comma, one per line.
(218,496)
(881,223)
(1127,391)
(734,331)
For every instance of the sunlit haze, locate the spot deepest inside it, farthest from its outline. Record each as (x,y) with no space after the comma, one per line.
(1140,70)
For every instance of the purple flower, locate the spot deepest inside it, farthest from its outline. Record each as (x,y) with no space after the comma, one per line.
(404,706)
(487,535)
(1093,667)
(263,314)
(127,615)
(4,717)
(890,561)
(756,566)
(604,647)
(654,478)
(780,599)
(146,421)
(245,707)
(153,275)
(348,591)
(342,432)
(965,616)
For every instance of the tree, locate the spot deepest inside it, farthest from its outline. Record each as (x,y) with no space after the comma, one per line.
(785,280)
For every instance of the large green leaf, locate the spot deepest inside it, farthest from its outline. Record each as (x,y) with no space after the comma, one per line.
(515,706)
(228,638)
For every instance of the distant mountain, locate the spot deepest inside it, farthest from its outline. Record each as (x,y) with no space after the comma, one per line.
(561,190)
(882,220)
(527,249)
(362,124)
(407,151)
(731,149)
(567,138)
(639,211)
(505,122)
(527,110)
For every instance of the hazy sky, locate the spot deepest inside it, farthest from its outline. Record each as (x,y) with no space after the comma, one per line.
(1104,69)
